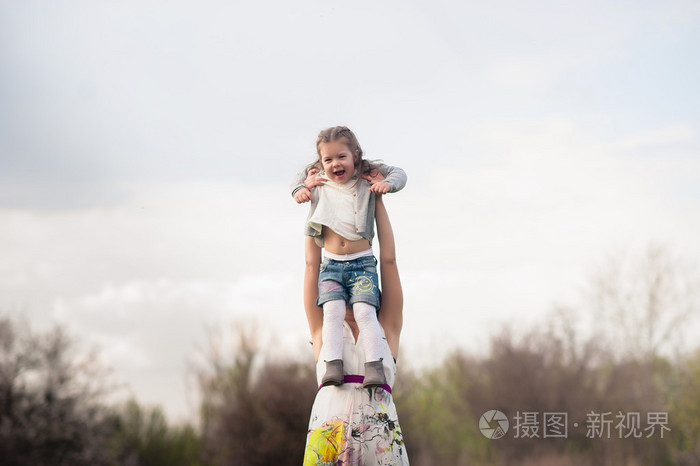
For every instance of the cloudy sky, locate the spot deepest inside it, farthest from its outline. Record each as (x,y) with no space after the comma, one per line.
(146,149)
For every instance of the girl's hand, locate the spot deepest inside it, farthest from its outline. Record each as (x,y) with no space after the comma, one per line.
(303,195)
(314,179)
(380,187)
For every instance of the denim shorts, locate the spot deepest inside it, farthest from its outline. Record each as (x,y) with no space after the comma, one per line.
(353,281)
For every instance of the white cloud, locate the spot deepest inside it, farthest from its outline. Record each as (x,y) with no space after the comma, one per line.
(668,136)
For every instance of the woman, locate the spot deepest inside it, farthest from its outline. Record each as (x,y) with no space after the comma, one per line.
(350,424)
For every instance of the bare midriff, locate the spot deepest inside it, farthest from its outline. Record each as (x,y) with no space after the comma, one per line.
(336,244)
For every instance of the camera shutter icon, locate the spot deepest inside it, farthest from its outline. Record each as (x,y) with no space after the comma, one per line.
(493,424)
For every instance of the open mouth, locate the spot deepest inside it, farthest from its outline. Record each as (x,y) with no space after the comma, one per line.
(339,173)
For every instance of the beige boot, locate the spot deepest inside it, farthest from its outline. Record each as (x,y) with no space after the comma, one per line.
(334,373)
(374,374)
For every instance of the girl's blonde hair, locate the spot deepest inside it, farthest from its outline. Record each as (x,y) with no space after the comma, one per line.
(336,133)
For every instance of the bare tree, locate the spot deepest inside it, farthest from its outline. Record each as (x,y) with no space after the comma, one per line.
(49,400)
(254,412)
(643,304)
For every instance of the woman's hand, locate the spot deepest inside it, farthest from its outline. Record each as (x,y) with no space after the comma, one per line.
(376,181)
(314,179)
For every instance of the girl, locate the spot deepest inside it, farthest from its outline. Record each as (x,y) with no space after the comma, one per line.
(341,220)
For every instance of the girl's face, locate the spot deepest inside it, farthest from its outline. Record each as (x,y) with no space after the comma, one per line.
(338,160)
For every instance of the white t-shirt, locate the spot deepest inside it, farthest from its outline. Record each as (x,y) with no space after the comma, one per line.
(336,209)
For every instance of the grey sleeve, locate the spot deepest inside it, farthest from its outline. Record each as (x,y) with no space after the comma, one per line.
(395,177)
(298,181)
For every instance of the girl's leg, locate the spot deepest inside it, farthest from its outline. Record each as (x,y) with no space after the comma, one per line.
(332,334)
(371,332)
(366,318)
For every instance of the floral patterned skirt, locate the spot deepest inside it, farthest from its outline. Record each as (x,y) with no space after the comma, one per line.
(351,425)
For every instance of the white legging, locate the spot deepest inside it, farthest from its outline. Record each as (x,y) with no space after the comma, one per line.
(332,333)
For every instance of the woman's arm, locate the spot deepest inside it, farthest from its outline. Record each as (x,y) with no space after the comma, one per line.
(391,312)
(314,314)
